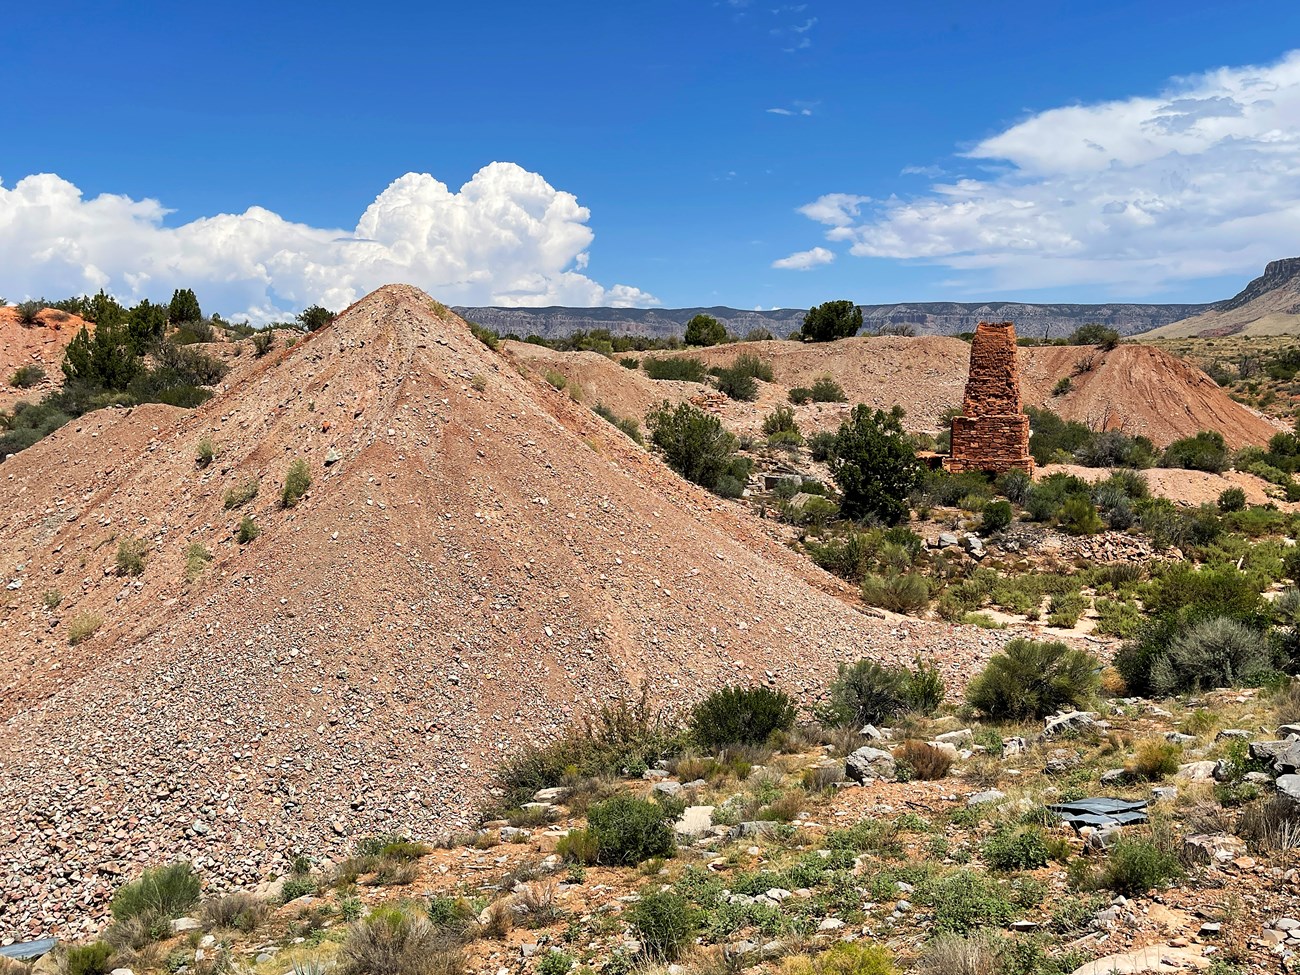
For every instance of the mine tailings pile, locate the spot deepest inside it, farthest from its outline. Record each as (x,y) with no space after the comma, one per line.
(196,663)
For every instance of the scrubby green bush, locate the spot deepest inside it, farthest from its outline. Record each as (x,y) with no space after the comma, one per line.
(394,940)
(627,425)
(27,376)
(781,420)
(248,530)
(130,557)
(1214,652)
(240,494)
(705,330)
(996,517)
(737,385)
(682,369)
(697,447)
(799,395)
(1206,451)
(874,465)
(1232,499)
(848,556)
(1032,679)
(1132,866)
(1078,517)
(296,482)
(166,892)
(263,342)
(91,959)
(627,735)
(826,390)
(238,911)
(868,692)
(664,922)
(628,830)
(29,312)
(1013,847)
(965,900)
(740,716)
(898,592)
(1094,334)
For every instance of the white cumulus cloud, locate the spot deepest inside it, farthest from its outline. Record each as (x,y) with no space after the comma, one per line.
(506,237)
(804,260)
(1136,194)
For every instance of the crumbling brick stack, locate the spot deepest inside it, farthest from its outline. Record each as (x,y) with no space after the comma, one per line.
(992,434)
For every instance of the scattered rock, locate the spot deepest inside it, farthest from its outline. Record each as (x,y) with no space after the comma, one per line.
(869,763)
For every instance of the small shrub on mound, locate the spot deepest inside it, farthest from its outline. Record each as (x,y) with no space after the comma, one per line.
(996,517)
(248,530)
(204,452)
(664,922)
(29,312)
(1133,866)
(579,846)
(898,592)
(740,716)
(130,556)
(749,364)
(25,377)
(397,941)
(1204,452)
(737,385)
(1154,758)
(1216,652)
(921,760)
(263,341)
(698,448)
(871,693)
(1017,848)
(238,911)
(556,379)
(685,369)
(980,953)
(452,914)
(827,390)
(163,891)
(82,627)
(780,420)
(196,560)
(845,958)
(240,495)
(799,395)
(296,482)
(629,831)
(91,959)
(1232,499)
(1032,679)
(629,735)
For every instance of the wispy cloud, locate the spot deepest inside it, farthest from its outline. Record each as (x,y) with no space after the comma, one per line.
(804,260)
(1201,179)
(800,109)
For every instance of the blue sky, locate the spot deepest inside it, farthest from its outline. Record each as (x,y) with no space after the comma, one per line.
(684,153)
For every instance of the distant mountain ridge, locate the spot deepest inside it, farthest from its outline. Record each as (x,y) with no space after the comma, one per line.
(926,317)
(1268,305)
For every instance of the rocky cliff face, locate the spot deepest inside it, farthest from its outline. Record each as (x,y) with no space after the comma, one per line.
(926,318)
(1268,305)
(1278,275)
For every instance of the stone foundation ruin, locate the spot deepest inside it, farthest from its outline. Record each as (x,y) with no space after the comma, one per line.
(992,433)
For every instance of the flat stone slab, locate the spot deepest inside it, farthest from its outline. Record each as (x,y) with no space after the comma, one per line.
(695,821)
(1156,958)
